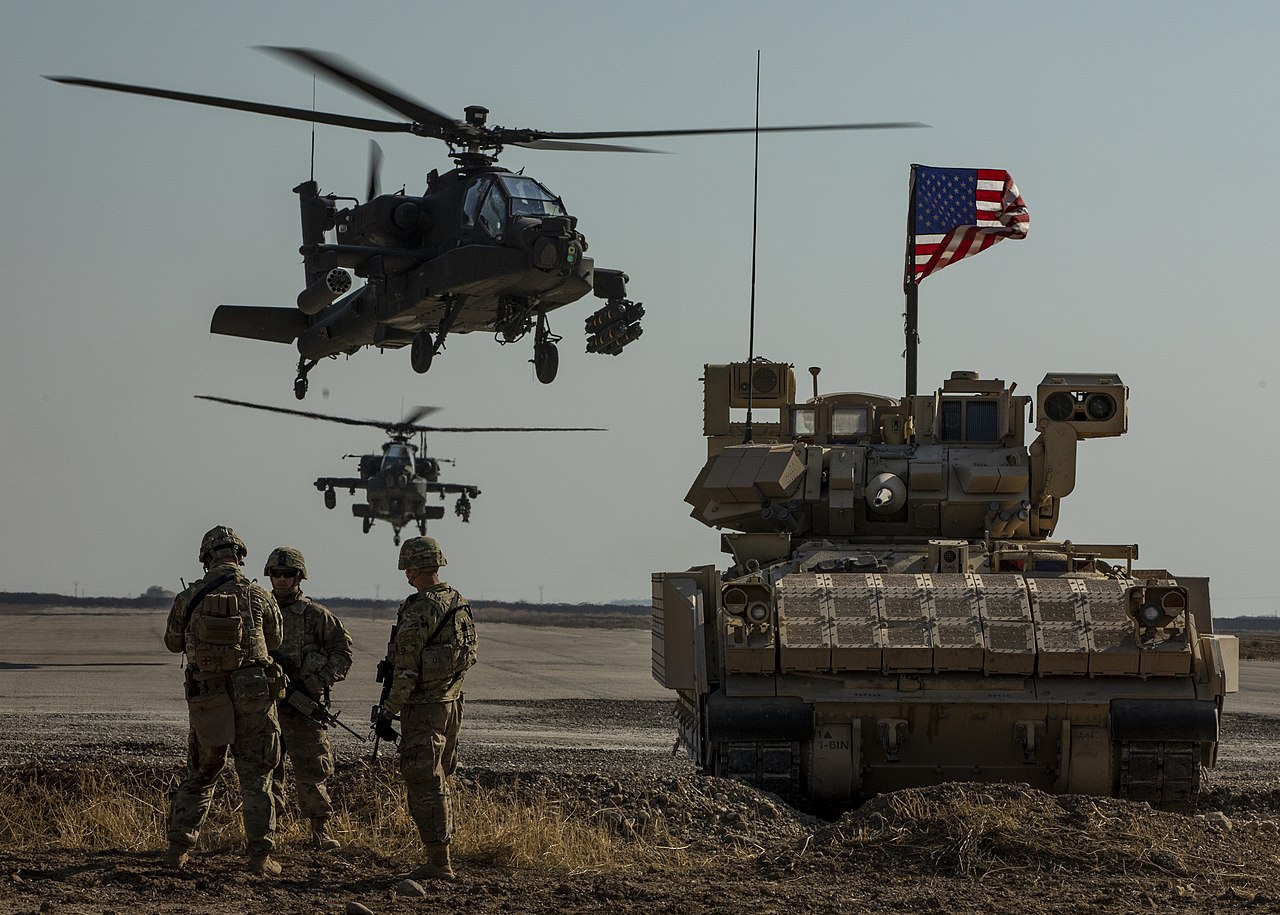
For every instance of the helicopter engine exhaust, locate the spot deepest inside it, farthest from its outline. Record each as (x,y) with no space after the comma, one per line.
(322,293)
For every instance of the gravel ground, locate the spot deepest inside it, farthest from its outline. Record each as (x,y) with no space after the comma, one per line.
(955,848)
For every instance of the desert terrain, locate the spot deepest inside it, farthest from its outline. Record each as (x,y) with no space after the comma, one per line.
(571,716)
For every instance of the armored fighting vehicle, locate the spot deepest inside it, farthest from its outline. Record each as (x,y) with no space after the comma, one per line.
(896,613)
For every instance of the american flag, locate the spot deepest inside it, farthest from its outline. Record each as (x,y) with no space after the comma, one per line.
(959,212)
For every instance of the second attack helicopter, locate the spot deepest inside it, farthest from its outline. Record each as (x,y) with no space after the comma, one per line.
(482,249)
(398,482)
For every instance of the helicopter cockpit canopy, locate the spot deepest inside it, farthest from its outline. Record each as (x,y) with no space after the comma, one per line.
(491,201)
(530,198)
(397,456)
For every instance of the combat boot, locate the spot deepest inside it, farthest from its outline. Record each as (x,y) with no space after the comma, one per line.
(438,865)
(176,856)
(263,866)
(320,837)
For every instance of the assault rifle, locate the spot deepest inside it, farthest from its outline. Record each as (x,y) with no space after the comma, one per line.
(385,676)
(302,701)
(297,697)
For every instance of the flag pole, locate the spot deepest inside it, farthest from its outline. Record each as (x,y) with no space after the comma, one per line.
(910,288)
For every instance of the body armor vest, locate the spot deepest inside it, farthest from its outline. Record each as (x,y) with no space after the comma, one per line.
(222,634)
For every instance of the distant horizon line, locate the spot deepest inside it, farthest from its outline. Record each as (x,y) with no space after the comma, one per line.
(145,599)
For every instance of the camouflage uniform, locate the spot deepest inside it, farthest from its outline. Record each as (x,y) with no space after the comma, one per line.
(433,646)
(256,742)
(315,653)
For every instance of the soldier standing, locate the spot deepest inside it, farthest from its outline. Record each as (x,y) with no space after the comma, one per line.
(432,646)
(315,654)
(227,625)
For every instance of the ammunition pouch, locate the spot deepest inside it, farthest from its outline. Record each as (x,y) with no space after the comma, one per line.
(250,683)
(216,636)
(277,682)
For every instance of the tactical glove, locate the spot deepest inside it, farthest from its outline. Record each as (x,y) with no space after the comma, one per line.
(382,725)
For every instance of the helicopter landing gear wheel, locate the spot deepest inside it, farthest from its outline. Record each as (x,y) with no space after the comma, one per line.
(421,352)
(396,538)
(422,526)
(368,523)
(300,383)
(546,362)
(330,498)
(546,358)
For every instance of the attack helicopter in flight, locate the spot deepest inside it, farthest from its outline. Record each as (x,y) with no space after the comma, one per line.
(482,249)
(398,481)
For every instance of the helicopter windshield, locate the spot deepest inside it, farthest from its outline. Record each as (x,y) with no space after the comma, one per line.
(529,198)
(485,206)
(397,457)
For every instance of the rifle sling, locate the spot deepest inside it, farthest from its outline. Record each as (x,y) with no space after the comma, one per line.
(457,604)
(202,594)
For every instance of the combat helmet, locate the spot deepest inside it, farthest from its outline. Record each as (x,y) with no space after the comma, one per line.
(421,553)
(219,538)
(286,557)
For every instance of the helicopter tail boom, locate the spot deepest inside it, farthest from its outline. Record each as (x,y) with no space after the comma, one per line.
(258,322)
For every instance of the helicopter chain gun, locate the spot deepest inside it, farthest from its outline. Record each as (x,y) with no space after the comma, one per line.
(398,481)
(482,249)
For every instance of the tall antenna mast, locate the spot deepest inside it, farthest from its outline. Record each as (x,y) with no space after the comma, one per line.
(313,128)
(755,205)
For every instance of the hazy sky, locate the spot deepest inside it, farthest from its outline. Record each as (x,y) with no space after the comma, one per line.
(1141,135)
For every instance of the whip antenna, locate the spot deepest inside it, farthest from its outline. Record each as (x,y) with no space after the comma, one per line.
(755,205)
(313,128)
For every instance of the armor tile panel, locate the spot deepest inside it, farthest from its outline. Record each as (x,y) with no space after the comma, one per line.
(804,622)
(857,635)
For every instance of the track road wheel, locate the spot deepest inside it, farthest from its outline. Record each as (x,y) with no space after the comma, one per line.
(421,351)
(546,362)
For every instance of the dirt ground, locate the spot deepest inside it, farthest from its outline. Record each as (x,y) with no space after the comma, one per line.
(576,715)
(956,848)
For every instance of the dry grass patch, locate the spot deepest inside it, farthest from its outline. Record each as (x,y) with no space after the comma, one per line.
(969,830)
(507,824)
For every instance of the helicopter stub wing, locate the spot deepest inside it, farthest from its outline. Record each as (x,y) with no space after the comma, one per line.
(341,483)
(258,322)
(463,488)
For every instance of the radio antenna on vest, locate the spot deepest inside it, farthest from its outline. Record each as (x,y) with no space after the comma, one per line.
(755,205)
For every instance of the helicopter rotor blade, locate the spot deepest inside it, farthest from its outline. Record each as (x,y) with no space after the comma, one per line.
(278,111)
(375,171)
(707,131)
(504,429)
(581,147)
(345,420)
(346,74)
(416,414)
(394,428)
